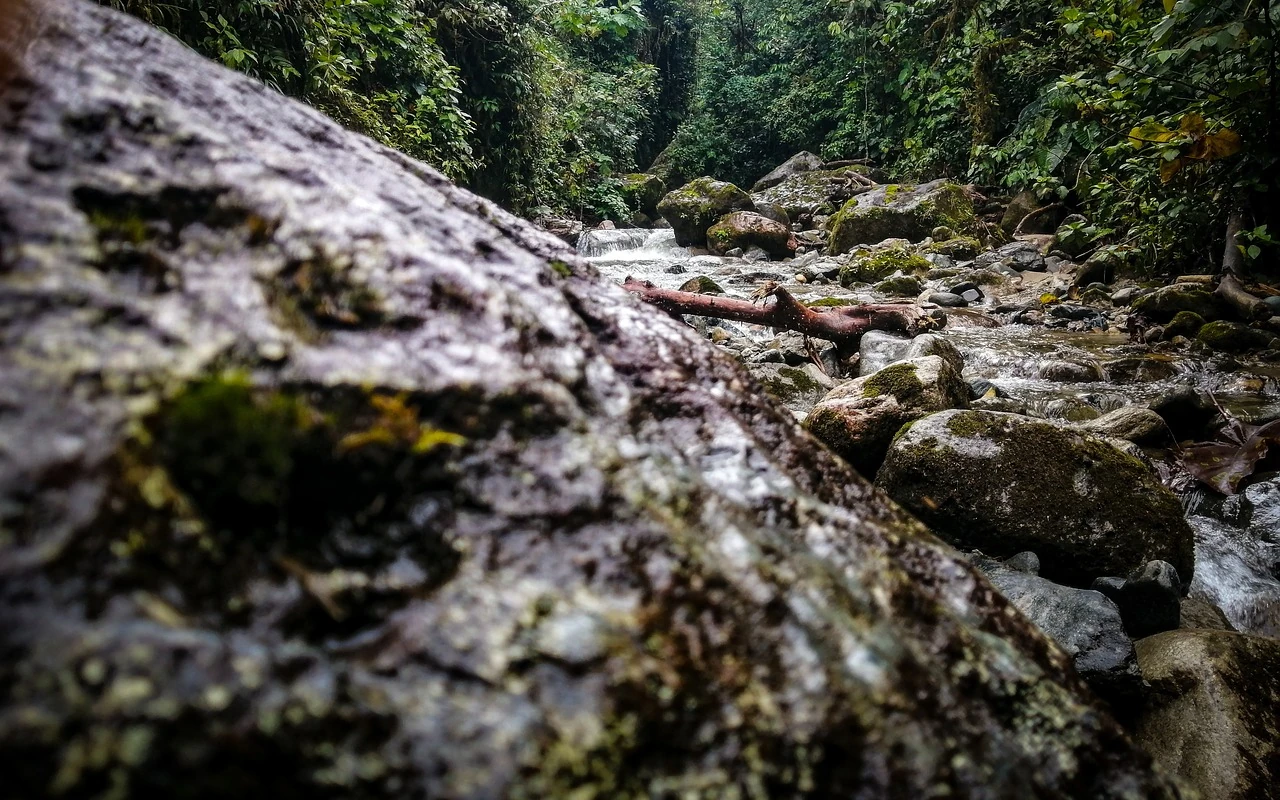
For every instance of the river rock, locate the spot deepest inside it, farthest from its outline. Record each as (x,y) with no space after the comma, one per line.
(900,211)
(1020,256)
(1070,371)
(643,192)
(1213,711)
(1131,423)
(1197,613)
(801,162)
(1163,304)
(323,477)
(1084,623)
(696,206)
(745,230)
(879,349)
(947,300)
(931,344)
(1233,337)
(799,388)
(858,419)
(1149,603)
(1003,483)
(809,196)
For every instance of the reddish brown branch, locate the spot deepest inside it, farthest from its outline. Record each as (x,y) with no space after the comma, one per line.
(842,325)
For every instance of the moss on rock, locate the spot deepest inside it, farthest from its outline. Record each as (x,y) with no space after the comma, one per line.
(694,207)
(900,212)
(1003,484)
(880,264)
(1233,337)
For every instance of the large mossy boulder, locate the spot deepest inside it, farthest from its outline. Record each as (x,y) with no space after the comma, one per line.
(1213,710)
(1163,304)
(643,192)
(805,195)
(901,211)
(321,477)
(800,163)
(1004,483)
(859,419)
(696,206)
(745,229)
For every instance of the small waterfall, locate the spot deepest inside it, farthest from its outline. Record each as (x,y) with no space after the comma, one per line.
(593,244)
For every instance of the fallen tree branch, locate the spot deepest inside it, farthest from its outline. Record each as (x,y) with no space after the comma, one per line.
(842,325)
(1035,213)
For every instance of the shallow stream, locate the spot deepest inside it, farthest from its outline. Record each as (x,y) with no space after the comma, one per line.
(1237,541)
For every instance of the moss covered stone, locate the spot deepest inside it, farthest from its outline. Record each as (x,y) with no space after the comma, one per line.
(1184,323)
(858,420)
(697,205)
(900,212)
(900,286)
(1004,483)
(879,264)
(642,192)
(1233,337)
(1166,302)
(702,285)
(961,248)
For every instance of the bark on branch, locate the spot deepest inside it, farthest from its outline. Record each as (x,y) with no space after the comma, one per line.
(1231,288)
(842,325)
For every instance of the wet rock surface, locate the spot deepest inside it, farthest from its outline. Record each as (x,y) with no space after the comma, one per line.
(1085,623)
(1213,712)
(322,477)
(995,482)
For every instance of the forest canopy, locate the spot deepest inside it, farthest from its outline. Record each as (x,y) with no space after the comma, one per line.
(1154,119)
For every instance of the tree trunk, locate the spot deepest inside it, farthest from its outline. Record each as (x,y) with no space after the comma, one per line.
(1231,288)
(843,325)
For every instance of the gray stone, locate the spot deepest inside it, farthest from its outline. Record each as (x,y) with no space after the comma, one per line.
(1084,623)
(947,300)
(1003,483)
(1131,423)
(482,525)
(797,164)
(879,349)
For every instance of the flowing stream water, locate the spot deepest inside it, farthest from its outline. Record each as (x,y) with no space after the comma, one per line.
(1237,540)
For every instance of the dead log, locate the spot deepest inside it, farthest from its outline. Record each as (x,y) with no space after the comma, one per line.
(1231,288)
(842,325)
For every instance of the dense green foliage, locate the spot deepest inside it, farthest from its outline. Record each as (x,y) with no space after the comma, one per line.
(535,104)
(1035,95)
(1153,118)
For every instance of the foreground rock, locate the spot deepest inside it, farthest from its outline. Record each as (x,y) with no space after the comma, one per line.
(1003,483)
(696,206)
(859,419)
(900,211)
(1213,711)
(326,478)
(1085,623)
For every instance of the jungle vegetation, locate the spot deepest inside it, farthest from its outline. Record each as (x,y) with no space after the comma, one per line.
(1153,118)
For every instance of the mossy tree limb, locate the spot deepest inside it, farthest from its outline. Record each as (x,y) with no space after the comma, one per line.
(843,325)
